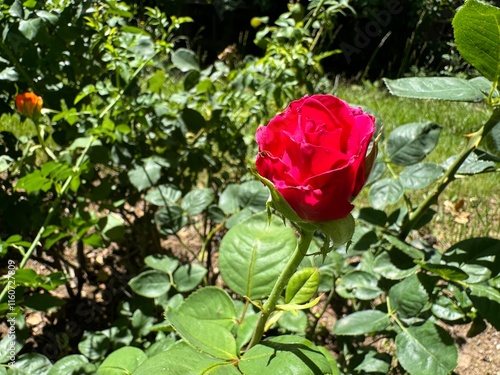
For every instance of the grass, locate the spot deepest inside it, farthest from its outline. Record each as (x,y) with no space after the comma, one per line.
(456,119)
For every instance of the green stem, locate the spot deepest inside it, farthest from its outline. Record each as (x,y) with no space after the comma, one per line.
(323,310)
(314,15)
(41,140)
(449,176)
(286,274)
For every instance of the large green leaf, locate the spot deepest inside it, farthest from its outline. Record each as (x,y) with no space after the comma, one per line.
(410,143)
(486,300)
(362,322)
(178,359)
(477,35)
(30,28)
(478,257)
(420,176)
(210,304)
(426,349)
(122,361)
(208,337)
(163,195)
(162,263)
(196,201)
(145,175)
(358,284)
(385,192)
(408,297)
(285,355)
(472,165)
(170,219)
(185,60)
(253,253)
(189,276)
(73,364)
(441,88)
(150,283)
(94,345)
(31,363)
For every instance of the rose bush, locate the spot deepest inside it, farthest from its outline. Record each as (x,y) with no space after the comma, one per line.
(315,155)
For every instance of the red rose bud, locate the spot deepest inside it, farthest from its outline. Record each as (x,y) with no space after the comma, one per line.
(29,104)
(314,153)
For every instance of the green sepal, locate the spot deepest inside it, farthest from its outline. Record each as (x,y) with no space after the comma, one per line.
(340,231)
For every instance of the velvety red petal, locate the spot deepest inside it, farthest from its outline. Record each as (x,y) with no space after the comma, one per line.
(314,204)
(359,141)
(274,170)
(269,137)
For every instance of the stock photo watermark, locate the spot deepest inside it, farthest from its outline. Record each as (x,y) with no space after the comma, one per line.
(11,316)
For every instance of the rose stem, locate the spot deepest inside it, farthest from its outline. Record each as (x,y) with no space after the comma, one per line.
(297,256)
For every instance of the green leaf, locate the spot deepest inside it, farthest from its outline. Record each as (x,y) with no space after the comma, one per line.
(16,9)
(477,32)
(444,271)
(362,322)
(31,363)
(150,284)
(73,364)
(212,305)
(196,201)
(385,192)
(440,88)
(426,349)
(409,250)
(478,257)
(122,361)
(160,346)
(420,176)
(394,265)
(185,60)
(358,284)
(29,28)
(189,276)
(145,174)
(163,195)
(9,74)
(246,329)
(294,323)
(408,144)
(444,308)
(192,120)
(302,286)
(285,355)
(170,219)
(486,300)
(373,363)
(94,345)
(253,253)
(208,337)
(178,359)
(408,297)
(43,302)
(472,165)
(162,263)
(251,195)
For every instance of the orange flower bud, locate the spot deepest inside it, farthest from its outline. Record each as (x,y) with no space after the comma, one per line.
(29,104)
